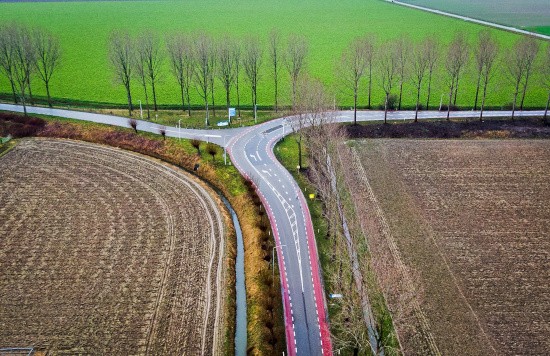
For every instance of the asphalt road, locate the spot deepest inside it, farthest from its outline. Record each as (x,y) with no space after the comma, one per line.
(251,151)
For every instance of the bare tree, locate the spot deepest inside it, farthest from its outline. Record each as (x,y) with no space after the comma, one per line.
(7,55)
(274,44)
(484,40)
(312,111)
(420,63)
(295,56)
(432,48)
(519,62)
(486,55)
(180,51)
(252,61)
(121,56)
(403,49)
(141,73)
(203,52)
(48,56)
(24,62)
(148,47)
(530,48)
(351,69)
(226,68)
(457,55)
(388,66)
(368,43)
(237,58)
(546,78)
(461,59)
(213,59)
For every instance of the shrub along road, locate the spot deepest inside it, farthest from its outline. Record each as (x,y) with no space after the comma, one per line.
(251,150)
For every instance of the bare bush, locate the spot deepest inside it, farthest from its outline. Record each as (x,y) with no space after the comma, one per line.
(212,150)
(133,124)
(196,144)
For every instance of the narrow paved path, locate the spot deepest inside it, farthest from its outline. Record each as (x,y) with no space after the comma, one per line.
(470,19)
(251,150)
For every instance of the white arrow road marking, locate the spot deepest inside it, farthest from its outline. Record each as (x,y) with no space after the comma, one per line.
(266,172)
(255,159)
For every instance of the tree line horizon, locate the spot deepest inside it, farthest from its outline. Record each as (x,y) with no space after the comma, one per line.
(203,63)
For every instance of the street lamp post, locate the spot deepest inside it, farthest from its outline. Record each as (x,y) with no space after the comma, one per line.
(441,101)
(140,110)
(273,259)
(179,129)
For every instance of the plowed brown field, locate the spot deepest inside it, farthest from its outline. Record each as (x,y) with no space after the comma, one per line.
(103,251)
(472,217)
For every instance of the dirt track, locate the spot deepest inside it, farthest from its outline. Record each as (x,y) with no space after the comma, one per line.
(103,251)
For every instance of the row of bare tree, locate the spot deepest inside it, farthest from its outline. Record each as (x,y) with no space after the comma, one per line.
(199,60)
(401,61)
(24,53)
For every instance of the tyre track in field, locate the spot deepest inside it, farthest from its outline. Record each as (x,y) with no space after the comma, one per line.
(215,221)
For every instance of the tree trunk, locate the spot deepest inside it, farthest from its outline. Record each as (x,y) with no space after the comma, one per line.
(370,81)
(129,96)
(386,108)
(483,100)
(238,97)
(146,101)
(188,101)
(48,93)
(154,96)
(13,91)
(207,113)
(299,142)
(477,90)
(546,109)
(514,103)
(227,98)
(355,105)
(294,79)
(456,89)
(23,102)
(417,103)
(213,100)
(400,95)
(449,106)
(276,102)
(429,90)
(524,91)
(254,103)
(182,97)
(30,91)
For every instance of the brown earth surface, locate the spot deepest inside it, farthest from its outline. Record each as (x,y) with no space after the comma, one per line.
(103,251)
(471,218)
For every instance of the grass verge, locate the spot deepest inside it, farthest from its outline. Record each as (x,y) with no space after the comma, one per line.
(287,153)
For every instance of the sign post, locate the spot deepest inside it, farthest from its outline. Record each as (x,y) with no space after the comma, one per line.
(231,112)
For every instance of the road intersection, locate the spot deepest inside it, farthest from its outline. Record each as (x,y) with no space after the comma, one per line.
(251,151)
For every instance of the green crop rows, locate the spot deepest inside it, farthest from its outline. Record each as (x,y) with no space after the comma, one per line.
(84,27)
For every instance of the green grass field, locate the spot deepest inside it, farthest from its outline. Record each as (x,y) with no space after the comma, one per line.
(84,27)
